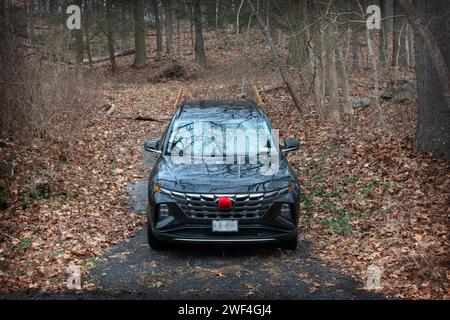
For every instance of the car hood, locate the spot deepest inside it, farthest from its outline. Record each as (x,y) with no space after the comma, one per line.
(220,178)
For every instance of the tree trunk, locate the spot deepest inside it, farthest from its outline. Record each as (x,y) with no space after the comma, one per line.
(436,50)
(112,54)
(191,25)
(296,43)
(432,69)
(123,18)
(78,34)
(387,12)
(169,24)
(110,36)
(52,8)
(86,24)
(383,34)
(237,16)
(177,12)
(199,50)
(3,6)
(398,37)
(158,30)
(139,33)
(334,109)
(322,54)
(408,53)
(411,46)
(342,72)
(316,71)
(376,79)
(30,18)
(217,15)
(355,47)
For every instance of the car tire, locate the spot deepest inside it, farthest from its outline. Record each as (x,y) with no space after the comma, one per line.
(153,242)
(289,244)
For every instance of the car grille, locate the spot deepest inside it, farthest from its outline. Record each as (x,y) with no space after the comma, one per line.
(246,205)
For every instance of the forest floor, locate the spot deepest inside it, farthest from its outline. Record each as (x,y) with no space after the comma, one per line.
(368,197)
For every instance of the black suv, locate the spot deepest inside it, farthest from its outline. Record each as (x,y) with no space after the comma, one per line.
(221,177)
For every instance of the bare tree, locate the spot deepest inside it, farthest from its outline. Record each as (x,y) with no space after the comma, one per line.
(177,13)
(199,50)
(398,37)
(433,77)
(78,34)
(110,35)
(168,14)
(237,16)
(316,70)
(276,57)
(158,30)
(297,42)
(342,72)
(375,75)
(217,15)
(86,27)
(383,33)
(332,83)
(30,19)
(139,33)
(428,41)
(355,29)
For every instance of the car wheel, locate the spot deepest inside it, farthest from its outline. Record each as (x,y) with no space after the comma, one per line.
(153,242)
(289,244)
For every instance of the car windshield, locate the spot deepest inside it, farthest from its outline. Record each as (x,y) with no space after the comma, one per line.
(220,138)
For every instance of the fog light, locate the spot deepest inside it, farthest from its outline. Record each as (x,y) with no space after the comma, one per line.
(286,211)
(163,211)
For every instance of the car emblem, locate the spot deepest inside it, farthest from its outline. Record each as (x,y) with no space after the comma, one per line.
(224,203)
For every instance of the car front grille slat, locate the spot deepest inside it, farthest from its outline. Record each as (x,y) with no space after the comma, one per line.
(246,205)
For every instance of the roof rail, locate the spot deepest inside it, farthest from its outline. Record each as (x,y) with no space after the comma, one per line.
(257,95)
(181,92)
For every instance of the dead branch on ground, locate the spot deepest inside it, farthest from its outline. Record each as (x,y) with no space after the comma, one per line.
(112,109)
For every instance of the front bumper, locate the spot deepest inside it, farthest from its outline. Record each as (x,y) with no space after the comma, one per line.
(266,227)
(255,233)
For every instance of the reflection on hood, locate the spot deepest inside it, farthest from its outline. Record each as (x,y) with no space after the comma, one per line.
(233,178)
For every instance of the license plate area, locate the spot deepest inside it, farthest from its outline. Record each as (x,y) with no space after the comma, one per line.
(224,225)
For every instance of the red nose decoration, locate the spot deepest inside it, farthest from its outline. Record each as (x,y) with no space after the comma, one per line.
(224,203)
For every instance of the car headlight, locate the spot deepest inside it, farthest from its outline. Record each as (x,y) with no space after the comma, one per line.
(286,211)
(163,211)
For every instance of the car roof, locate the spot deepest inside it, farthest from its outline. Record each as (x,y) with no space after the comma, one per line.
(220,108)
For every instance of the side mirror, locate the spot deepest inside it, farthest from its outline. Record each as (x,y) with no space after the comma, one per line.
(290,145)
(152,146)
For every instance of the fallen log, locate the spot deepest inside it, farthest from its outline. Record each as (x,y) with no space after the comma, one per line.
(361,102)
(401,93)
(112,108)
(139,118)
(271,87)
(106,58)
(246,92)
